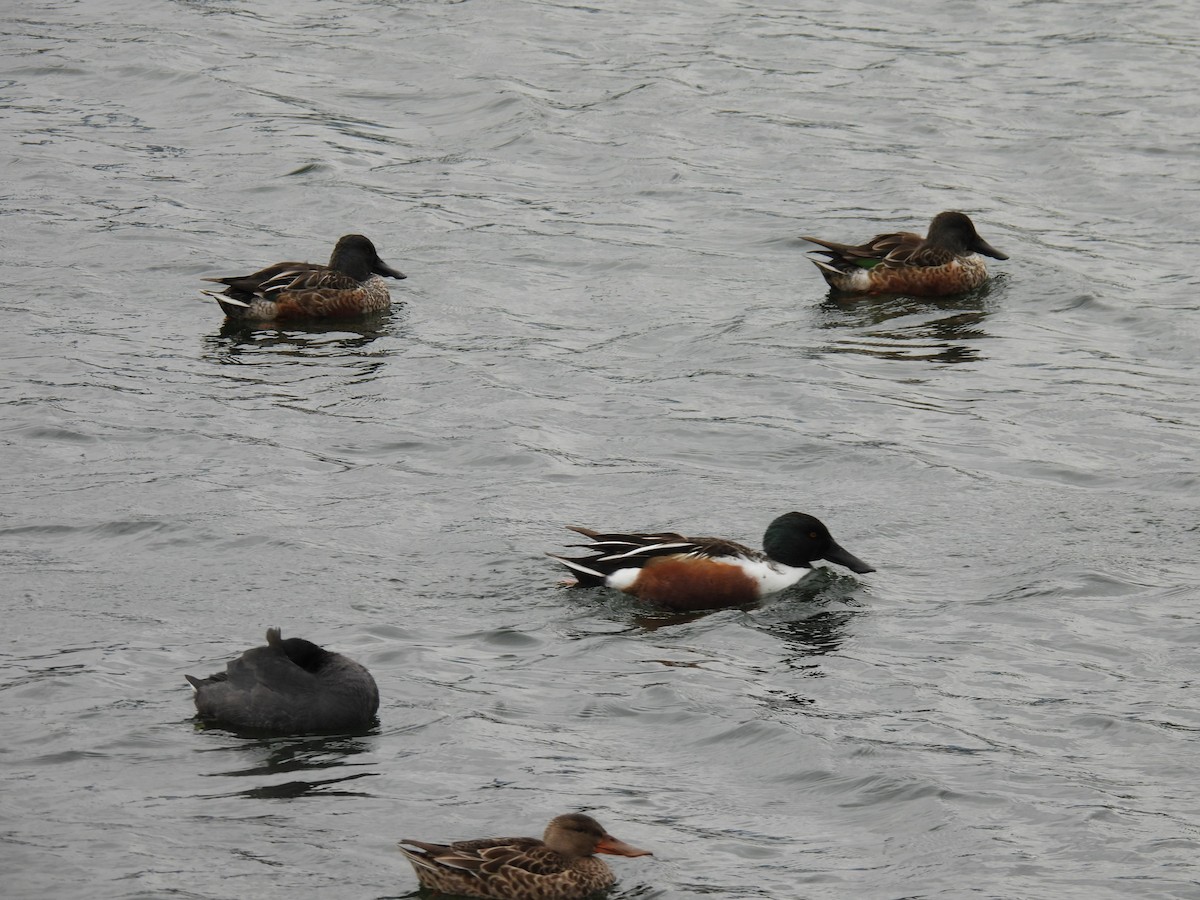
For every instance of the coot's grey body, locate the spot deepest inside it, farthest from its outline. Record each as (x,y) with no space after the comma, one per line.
(291,687)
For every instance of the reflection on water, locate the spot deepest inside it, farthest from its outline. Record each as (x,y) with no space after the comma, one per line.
(806,625)
(292,789)
(291,754)
(327,339)
(652,621)
(816,635)
(934,329)
(279,756)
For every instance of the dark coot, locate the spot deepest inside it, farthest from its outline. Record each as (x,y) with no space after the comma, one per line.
(291,687)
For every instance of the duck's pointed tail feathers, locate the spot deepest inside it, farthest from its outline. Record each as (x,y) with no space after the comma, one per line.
(223,299)
(586,576)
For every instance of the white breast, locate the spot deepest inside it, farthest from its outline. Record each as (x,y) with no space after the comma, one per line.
(773,577)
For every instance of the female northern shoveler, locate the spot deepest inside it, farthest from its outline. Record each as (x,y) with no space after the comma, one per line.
(945,261)
(558,867)
(683,573)
(289,687)
(349,286)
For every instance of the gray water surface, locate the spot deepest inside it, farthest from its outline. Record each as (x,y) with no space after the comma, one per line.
(609,320)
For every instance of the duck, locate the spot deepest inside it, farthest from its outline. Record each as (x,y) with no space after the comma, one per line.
(560,866)
(685,574)
(946,261)
(351,285)
(289,686)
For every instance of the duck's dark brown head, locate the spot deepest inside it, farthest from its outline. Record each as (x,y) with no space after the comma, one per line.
(955,231)
(356,256)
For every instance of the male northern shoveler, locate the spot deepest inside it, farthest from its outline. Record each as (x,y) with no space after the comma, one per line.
(289,687)
(683,573)
(945,261)
(349,286)
(558,867)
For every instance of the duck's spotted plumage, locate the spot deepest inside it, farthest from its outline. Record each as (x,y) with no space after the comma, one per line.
(560,866)
(289,687)
(351,285)
(689,573)
(945,261)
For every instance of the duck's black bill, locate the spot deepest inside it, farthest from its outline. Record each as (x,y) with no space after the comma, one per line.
(982,246)
(382,268)
(843,557)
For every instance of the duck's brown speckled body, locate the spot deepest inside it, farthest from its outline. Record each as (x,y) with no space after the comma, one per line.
(560,866)
(946,261)
(351,285)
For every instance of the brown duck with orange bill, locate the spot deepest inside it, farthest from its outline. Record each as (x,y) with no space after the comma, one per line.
(561,866)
